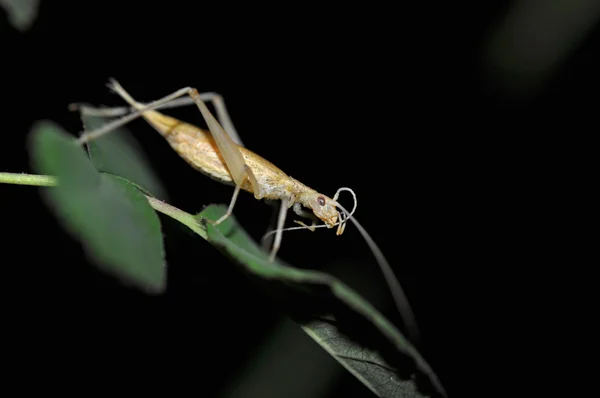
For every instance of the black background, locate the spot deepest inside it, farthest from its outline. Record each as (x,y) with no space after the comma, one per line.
(390,101)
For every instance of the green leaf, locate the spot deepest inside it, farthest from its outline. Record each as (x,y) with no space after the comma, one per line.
(119,153)
(21,13)
(364,363)
(113,220)
(334,315)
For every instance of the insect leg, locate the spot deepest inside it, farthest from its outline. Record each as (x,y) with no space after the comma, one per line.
(234,160)
(230,208)
(222,115)
(90,135)
(267,242)
(280,222)
(215,98)
(236,164)
(305,214)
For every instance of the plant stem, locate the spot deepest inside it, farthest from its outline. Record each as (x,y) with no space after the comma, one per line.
(186,219)
(28,179)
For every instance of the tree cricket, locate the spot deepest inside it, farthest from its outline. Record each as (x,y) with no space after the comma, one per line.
(219,154)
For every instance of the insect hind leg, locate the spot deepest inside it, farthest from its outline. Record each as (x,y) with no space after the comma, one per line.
(232,156)
(140,109)
(215,99)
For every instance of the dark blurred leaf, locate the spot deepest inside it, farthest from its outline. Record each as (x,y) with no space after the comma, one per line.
(367,365)
(21,13)
(111,218)
(335,316)
(119,153)
(532,41)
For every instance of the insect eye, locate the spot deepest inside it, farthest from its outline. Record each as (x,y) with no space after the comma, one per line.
(321,201)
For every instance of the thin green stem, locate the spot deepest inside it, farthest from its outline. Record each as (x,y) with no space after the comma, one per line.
(28,179)
(186,219)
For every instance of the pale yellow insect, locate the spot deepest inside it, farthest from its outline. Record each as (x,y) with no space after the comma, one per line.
(217,154)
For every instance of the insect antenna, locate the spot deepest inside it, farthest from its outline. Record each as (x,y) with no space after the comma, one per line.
(400,299)
(394,286)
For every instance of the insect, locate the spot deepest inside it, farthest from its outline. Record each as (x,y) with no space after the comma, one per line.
(219,154)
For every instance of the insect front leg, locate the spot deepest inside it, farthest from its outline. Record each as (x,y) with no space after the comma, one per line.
(306,214)
(267,241)
(279,234)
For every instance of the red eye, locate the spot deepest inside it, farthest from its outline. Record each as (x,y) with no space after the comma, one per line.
(321,201)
